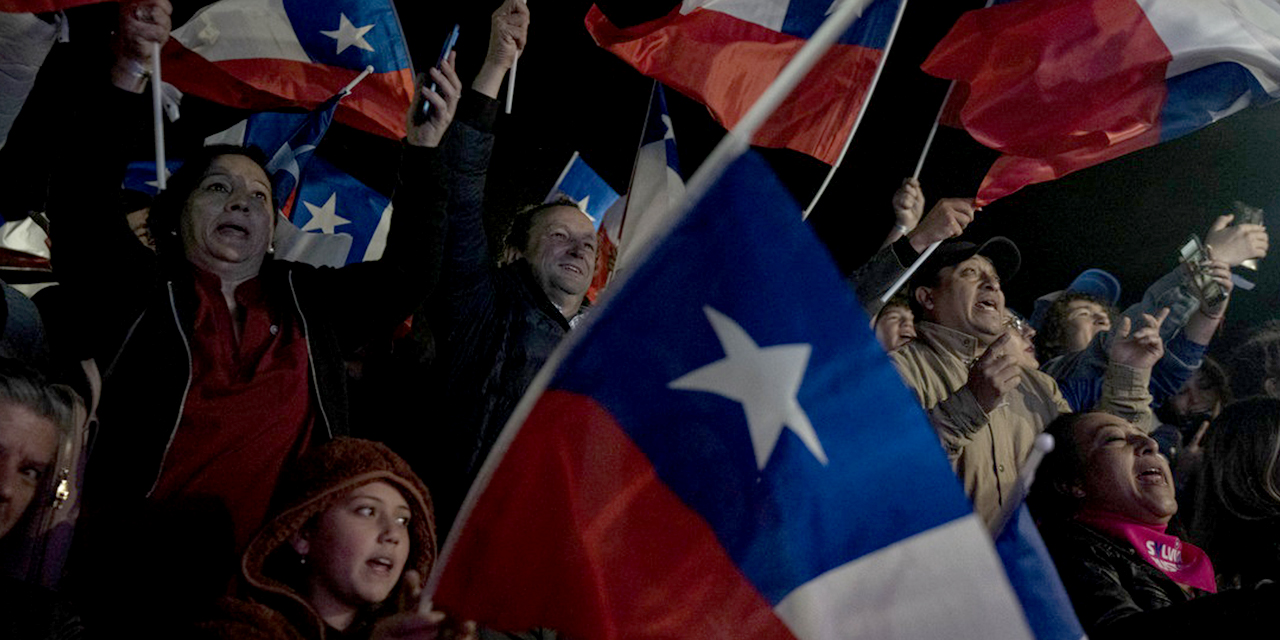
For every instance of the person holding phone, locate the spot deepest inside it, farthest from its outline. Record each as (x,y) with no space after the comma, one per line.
(221,364)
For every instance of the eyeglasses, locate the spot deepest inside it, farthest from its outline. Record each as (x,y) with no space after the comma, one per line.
(1019,325)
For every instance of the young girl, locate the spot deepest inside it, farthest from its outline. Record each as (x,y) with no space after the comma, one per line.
(343,556)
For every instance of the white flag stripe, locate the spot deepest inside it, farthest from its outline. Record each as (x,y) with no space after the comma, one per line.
(769,14)
(1203,32)
(242,30)
(920,588)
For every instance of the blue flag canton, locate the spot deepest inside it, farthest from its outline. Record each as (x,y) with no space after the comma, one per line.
(331,201)
(349,33)
(844,466)
(141,175)
(585,187)
(870,30)
(658,127)
(1199,97)
(289,140)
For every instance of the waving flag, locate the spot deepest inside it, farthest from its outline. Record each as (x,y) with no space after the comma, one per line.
(656,183)
(1060,85)
(724,53)
(333,203)
(581,184)
(751,468)
(270,54)
(288,139)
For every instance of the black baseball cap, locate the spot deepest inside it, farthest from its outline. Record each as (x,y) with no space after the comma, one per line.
(1001,251)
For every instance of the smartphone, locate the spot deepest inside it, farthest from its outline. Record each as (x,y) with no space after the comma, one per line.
(420,116)
(1193,255)
(1246,214)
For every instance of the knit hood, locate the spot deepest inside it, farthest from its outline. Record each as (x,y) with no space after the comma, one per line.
(318,481)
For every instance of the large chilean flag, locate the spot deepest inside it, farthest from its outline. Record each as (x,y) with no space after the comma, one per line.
(1060,85)
(271,54)
(724,54)
(723,451)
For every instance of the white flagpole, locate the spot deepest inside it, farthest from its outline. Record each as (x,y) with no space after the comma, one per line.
(730,147)
(631,183)
(906,275)
(928,142)
(346,91)
(866,100)
(157,116)
(511,78)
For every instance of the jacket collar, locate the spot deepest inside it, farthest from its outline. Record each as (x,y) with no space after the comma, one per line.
(958,343)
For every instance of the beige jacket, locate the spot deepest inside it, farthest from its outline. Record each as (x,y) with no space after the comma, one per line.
(987,449)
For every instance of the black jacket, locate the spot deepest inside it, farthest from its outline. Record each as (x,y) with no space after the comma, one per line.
(138,310)
(1117,594)
(494,326)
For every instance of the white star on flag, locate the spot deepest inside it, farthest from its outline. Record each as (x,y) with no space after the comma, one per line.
(349,35)
(666,123)
(765,380)
(155,184)
(286,158)
(325,217)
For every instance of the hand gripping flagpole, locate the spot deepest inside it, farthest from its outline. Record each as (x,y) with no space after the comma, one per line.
(906,275)
(862,110)
(928,142)
(157,116)
(734,144)
(511,78)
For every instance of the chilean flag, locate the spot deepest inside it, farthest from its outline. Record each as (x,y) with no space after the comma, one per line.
(270,54)
(1060,85)
(725,53)
(722,451)
(581,184)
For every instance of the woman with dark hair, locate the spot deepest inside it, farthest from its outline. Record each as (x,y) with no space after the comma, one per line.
(1237,493)
(1104,498)
(221,365)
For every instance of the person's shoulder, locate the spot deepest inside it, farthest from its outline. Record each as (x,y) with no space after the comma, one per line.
(244,619)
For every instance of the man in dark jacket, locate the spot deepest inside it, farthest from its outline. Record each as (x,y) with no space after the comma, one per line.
(494,325)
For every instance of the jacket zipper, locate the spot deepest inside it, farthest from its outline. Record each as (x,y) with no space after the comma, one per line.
(186,346)
(311,363)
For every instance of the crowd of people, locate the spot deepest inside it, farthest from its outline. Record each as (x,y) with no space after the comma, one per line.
(189,458)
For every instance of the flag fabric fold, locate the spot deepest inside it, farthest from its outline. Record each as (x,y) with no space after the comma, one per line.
(656,182)
(272,54)
(725,53)
(1060,85)
(724,451)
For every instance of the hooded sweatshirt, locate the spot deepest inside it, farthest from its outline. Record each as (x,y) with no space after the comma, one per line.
(270,607)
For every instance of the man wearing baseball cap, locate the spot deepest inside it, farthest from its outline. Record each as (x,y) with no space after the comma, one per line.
(986,406)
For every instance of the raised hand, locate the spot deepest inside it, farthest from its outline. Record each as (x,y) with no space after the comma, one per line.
(947,219)
(508,33)
(1142,348)
(444,102)
(994,373)
(1235,244)
(421,622)
(143,23)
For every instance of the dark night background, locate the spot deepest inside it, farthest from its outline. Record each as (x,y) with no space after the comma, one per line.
(1127,216)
